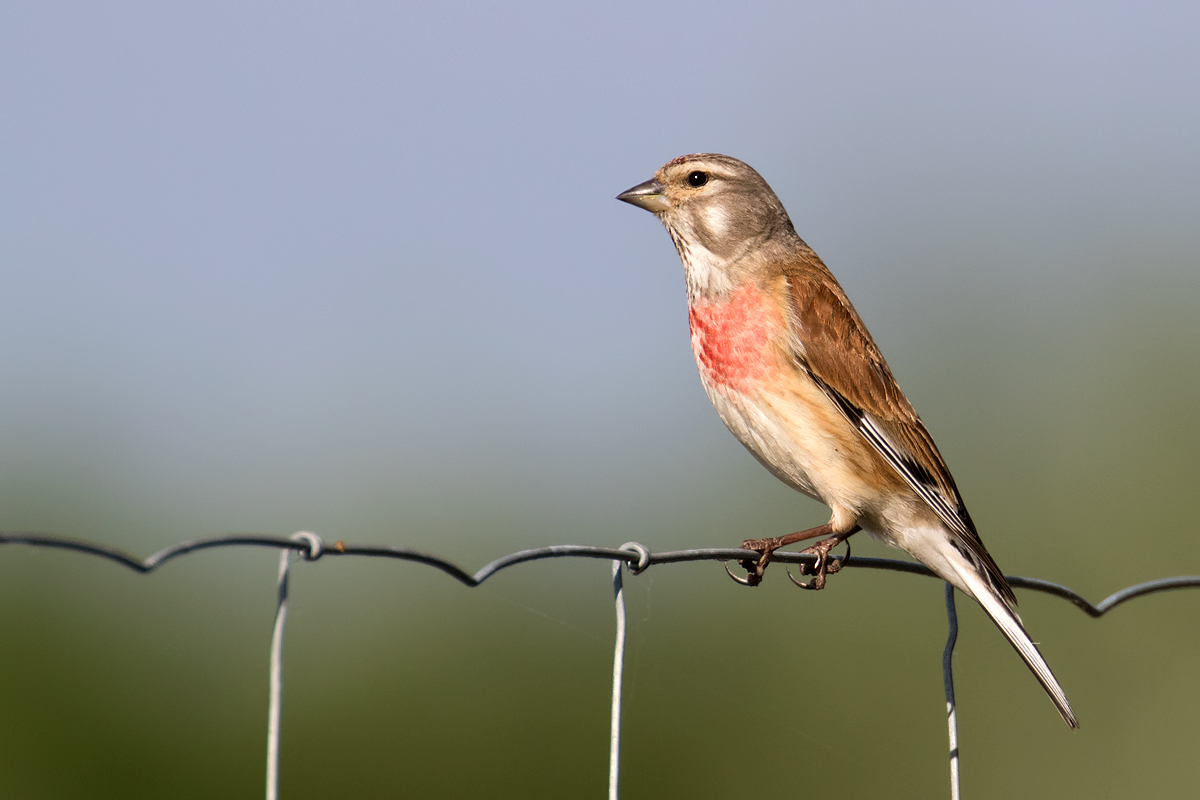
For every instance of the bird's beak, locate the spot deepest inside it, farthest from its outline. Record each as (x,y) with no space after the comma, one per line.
(648,195)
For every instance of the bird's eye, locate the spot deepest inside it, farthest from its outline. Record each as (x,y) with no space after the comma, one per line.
(697,178)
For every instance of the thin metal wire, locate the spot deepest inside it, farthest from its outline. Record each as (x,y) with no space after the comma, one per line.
(948,675)
(275,691)
(614,744)
(634,556)
(312,553)
(614,739)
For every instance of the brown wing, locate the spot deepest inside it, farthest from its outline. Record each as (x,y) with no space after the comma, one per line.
(840,355)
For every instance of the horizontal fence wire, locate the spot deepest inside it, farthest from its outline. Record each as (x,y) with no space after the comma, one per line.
(315,549)
(633,556)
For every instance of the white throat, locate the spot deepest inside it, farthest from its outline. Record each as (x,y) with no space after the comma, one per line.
(706,273)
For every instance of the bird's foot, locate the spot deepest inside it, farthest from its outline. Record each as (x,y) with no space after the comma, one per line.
(755,569)
(823,565)
(767,547)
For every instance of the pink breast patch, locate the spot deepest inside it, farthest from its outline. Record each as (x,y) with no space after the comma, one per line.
(732,338)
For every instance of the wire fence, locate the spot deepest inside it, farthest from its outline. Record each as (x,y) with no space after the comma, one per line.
(632,557)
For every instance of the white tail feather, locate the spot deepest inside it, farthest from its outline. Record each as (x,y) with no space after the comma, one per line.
(974,584)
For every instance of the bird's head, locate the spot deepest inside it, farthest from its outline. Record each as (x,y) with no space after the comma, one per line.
(718,210)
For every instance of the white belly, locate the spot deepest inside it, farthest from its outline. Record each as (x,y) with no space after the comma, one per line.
(803,439)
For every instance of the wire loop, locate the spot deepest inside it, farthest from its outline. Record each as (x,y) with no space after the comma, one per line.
(643,554)
(316,547)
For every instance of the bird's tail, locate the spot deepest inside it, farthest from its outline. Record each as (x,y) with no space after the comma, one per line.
(971,581)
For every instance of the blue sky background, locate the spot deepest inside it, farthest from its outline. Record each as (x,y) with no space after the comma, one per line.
(357,268)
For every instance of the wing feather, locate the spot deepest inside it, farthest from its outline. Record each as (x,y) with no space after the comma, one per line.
(838,352)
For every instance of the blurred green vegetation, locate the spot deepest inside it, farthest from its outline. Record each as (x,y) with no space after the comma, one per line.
(1073,438)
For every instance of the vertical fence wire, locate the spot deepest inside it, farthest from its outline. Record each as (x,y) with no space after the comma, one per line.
(275,687)
(948,675)
(614,742)
(276,682)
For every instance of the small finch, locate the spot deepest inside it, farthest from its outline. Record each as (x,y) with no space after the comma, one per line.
(794,374)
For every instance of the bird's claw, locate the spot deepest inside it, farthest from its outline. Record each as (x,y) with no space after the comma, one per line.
(823,566)
(750,580)
(755,569)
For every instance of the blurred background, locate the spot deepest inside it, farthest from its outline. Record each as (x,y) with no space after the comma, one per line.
(358,269)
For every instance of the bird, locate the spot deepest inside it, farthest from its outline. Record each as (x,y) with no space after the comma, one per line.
(794,374)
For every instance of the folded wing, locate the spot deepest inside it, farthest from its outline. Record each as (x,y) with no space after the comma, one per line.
(838,352)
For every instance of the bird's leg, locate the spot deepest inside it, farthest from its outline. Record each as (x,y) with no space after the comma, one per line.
(768,546)
(823,567)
